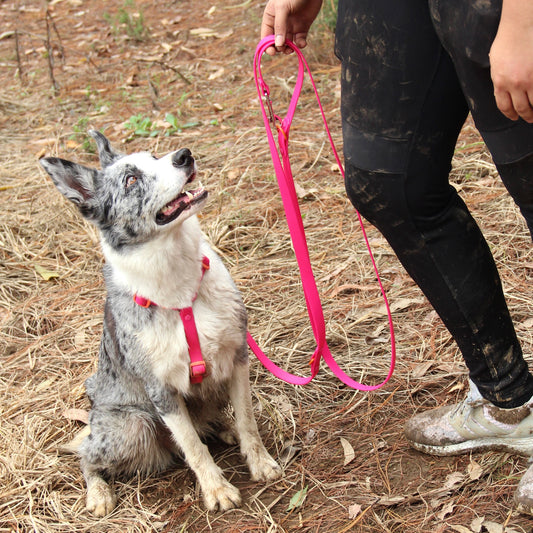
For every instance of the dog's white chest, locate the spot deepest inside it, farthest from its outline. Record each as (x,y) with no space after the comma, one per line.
(164,342)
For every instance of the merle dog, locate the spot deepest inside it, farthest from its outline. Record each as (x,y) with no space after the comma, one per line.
(149,400)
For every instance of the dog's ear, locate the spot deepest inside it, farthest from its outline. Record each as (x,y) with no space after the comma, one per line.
(74,181)
(107,155)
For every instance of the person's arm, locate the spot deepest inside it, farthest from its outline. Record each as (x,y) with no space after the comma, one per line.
(511,60)
(289,19)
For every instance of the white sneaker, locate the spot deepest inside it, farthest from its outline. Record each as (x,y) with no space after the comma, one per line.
(476,425)
(472,425)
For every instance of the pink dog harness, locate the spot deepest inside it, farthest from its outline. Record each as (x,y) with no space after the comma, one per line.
(296,228)
(197,367)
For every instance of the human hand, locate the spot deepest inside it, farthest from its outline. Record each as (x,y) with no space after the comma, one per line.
(511,61)
(288,19)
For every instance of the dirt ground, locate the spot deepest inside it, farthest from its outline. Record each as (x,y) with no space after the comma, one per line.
(159,76)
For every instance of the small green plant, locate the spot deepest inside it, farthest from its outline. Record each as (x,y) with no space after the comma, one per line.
(141,126)
(175,126)
(130,20)
(80,135)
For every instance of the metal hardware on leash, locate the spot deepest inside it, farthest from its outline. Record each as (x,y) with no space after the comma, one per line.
(268,101)
(274,119)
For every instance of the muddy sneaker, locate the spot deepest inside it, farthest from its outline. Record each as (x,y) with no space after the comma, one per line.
(473,425)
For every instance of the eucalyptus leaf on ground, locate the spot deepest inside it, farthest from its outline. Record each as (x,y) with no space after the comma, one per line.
(298,499)
(46,274)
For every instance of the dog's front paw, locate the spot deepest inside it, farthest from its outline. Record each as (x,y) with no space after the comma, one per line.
(264,468)
(222,497)
(100,498)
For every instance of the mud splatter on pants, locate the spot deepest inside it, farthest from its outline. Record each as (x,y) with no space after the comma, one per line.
(411,72)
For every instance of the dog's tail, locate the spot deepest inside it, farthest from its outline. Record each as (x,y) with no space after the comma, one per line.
(74,445)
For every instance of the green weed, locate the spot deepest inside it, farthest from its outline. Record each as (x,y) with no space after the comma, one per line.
(130,20)
(80,135)
(141,126)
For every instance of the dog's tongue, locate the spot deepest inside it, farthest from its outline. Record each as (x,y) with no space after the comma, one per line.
(180,202)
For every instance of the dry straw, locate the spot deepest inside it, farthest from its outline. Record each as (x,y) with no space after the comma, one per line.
(51,298)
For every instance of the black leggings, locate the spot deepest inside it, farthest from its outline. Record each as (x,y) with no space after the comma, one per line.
(403,106)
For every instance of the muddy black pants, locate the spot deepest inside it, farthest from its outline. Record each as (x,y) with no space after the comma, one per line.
(411,72)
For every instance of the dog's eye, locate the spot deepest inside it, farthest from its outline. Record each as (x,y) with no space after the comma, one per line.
(130,180)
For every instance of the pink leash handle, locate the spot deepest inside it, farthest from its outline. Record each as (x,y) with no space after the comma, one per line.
(297,232)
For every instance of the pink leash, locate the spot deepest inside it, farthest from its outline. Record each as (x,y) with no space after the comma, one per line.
(296,229)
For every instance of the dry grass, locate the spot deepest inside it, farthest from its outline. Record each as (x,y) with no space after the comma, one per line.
(50,329)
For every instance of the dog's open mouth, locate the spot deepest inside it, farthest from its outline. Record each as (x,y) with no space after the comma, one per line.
(183,201)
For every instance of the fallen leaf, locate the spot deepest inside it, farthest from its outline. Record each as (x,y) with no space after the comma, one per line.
(474,470)
(349,453)
(390,501)
(460,529)
(298,499)
(338,270)
(47,275)
(347,287)
(217,74)
(493,527)
(304,194)
(453,480)
(354,510)
(458,387)
(204,33)
(477,523)
(80,415)
(376,340)
(403,303)
(45,385)
(7,35)
(421,369)
(49,140)
(446,510)
(72,144)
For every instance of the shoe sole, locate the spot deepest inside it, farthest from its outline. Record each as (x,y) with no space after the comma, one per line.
(523,446)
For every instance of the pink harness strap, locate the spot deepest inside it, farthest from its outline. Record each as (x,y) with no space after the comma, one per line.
(296,228)
(198,367)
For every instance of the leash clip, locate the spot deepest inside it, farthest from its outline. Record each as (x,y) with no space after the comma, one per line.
(268,101)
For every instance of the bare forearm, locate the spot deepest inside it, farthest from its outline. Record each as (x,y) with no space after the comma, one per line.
(511,60)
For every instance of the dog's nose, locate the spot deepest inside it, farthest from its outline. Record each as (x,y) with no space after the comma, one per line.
(182,158)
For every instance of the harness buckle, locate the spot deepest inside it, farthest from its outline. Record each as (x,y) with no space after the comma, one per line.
(197,371)
(142,302)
